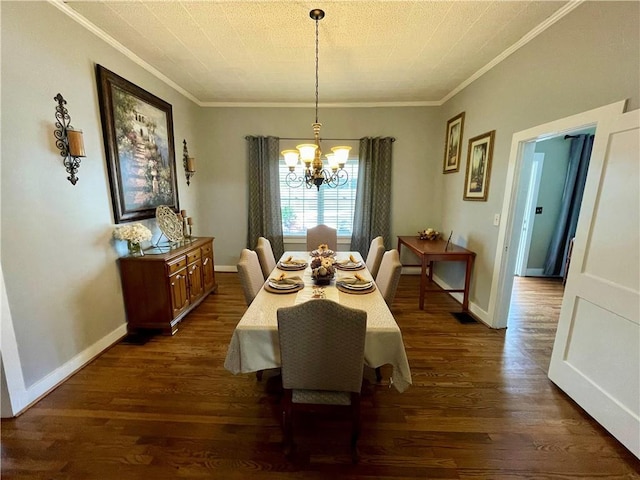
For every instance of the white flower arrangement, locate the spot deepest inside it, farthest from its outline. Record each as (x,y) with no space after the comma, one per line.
(133,232)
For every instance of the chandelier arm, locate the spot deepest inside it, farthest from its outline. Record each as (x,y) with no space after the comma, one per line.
(337,178)
(293,180)
(341,177)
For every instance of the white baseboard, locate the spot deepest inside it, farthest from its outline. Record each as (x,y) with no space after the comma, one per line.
(60,374)
(534,272)
(479,313)
(226,268)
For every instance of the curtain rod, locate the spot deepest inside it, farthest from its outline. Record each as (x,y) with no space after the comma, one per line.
(571,136)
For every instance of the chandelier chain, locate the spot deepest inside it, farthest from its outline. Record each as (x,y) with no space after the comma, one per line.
(317,50)
(315,174)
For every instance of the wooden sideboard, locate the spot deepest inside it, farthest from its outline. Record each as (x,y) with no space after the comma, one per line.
(160,289)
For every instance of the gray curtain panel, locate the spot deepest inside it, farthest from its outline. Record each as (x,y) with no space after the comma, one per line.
(264,216)
(565,230)
(372,216)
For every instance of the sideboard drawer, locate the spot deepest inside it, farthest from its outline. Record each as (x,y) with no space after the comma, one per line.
(193,255)
(176,265)
(207,249)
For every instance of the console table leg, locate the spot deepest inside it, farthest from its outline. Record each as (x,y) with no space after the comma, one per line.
(423,281)
(467,281)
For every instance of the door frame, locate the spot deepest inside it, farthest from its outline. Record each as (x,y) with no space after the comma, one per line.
(523,143)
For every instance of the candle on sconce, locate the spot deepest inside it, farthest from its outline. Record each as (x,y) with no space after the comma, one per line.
(76,143)
(183,213)
(191,164)
(189,221)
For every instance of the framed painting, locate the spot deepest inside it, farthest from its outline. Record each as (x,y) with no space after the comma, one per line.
(138,140)
(453,144)
(476,179)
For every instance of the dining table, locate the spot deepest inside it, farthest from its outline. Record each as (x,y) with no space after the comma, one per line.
(254,344)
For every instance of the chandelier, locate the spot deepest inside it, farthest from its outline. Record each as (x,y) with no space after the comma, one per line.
(310,154)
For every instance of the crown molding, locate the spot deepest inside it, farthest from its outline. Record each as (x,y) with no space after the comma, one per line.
(320,105)
(59,4)
(562,12)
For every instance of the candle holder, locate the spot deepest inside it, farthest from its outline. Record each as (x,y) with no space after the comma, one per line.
(68,140)
(188,162)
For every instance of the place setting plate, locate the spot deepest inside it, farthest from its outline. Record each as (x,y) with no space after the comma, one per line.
(350,266)
(275,287)
(358,288)
(322,253)
(292,266)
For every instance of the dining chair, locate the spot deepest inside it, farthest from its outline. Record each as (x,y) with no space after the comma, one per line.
(322,361)
(388,275)
(322,234)
(374,257)
(265,256)
(250,274)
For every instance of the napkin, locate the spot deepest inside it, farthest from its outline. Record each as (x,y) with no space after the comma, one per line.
(293,261)
(282,279)
(357,279)
(351,259)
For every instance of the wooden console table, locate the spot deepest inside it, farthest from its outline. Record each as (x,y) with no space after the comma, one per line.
(431,251)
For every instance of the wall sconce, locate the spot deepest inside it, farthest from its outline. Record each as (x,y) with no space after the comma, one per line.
(188,162)
(68,140)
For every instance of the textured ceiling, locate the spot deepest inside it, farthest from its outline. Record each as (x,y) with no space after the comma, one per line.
(382,52)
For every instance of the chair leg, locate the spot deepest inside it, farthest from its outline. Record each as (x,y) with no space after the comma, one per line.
(378,375)
(355,430)
(287,421)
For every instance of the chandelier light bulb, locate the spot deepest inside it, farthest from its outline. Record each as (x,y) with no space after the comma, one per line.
(290,158)
(307,152)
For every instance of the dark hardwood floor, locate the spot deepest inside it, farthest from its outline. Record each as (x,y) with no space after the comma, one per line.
(480,407)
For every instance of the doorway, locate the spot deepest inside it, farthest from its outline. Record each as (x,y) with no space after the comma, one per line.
(523,149)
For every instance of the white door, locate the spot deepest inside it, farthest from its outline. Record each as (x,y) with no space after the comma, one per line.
(596,354)
(534,171)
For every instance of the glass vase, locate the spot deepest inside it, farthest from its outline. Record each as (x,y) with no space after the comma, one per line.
(134,248)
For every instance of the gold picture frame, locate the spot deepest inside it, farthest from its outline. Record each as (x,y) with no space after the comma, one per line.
(453,144)
(479,156)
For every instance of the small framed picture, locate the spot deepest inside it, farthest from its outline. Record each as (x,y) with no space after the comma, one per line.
(453,144)
(476,179)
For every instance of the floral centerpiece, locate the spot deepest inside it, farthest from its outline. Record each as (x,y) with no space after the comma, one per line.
(322,270)
(429,234)
(134,234)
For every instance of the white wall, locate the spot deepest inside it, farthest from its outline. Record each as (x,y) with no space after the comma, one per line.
(588,59)
(554,174)
(58,257)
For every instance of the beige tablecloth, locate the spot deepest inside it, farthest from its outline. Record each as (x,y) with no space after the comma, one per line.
(254,345)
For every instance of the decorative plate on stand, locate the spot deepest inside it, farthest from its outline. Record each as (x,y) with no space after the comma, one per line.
(169,223)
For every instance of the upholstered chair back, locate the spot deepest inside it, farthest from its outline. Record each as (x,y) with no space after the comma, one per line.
(374,257)
(265,256)
(322,234)
(389,275)
(250,274)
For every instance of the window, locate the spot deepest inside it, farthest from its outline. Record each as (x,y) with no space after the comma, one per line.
(304,207)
